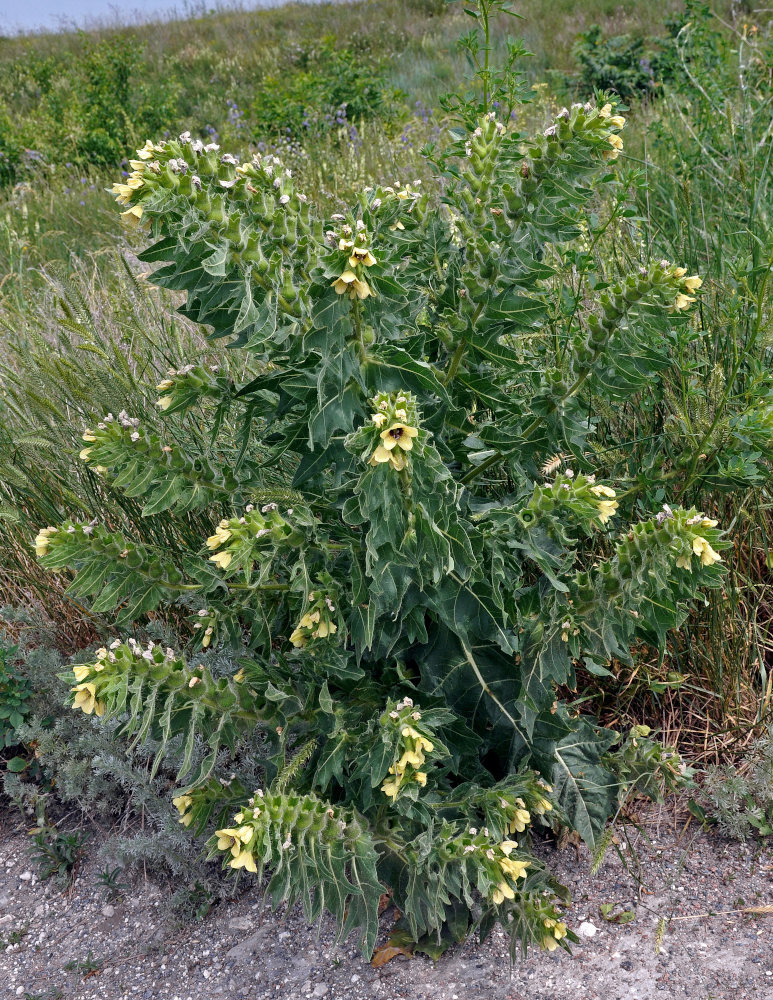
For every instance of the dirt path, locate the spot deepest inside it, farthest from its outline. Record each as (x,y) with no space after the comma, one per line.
(241,951)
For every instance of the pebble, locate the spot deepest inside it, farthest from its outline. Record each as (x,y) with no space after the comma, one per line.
(319,990)
(587,929)
(240,924)
(25,876)
(108,911)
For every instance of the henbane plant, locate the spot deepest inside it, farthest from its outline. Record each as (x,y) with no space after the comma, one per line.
(416,589)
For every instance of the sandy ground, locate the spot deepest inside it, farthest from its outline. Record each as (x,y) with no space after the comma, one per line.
(241,951)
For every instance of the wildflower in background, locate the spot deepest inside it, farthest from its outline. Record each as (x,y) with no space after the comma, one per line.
(693,283)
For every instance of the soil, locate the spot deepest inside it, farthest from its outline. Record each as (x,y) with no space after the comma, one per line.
(698,882)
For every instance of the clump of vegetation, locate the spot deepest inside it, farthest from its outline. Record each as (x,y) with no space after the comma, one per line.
(414,536)
(56,852)
(15,695)
(738,797)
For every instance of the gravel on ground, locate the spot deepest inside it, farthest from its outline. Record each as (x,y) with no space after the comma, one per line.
(76,946)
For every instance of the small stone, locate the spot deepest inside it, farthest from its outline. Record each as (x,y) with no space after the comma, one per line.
(108,911)
(319,990)
(19,990)
(587,929)
(240,924)
(40,909)
(25,876)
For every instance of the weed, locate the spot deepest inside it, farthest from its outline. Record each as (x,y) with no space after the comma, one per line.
(85,966)
(56,854)
(109,881)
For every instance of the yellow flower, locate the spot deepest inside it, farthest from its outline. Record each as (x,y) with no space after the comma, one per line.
(679,272)
(123,193)
(421,777)
(361,255)
(515,869)
(396,225)
(89,436)
(520,820)
(86,699)
(503,891)
(606,111)
(229,840)
(165,384)
(683,301)
(147,151)
(221,559)
(683,562)
(219,538)
(165,402)
(413,757)
(603,491)
(703,549)
(549,943)
(541,807)
(244,860)
(325,629)
(349,281)
(43,540)
(615,141)
(508,846)
(618,121)
(299,638)
(607,509)
(391,787)
(182,803)
(132,215)
(84,454)
(379,419)
(693,283)
(81,671)
(409,733)
(399,435)
(709,522)
(239,676)
(381,455)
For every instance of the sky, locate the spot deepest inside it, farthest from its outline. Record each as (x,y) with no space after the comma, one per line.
(54,15)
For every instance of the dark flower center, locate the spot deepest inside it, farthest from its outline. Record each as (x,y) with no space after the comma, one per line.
(397,432)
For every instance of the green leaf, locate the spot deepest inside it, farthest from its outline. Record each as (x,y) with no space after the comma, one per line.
(585,790)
